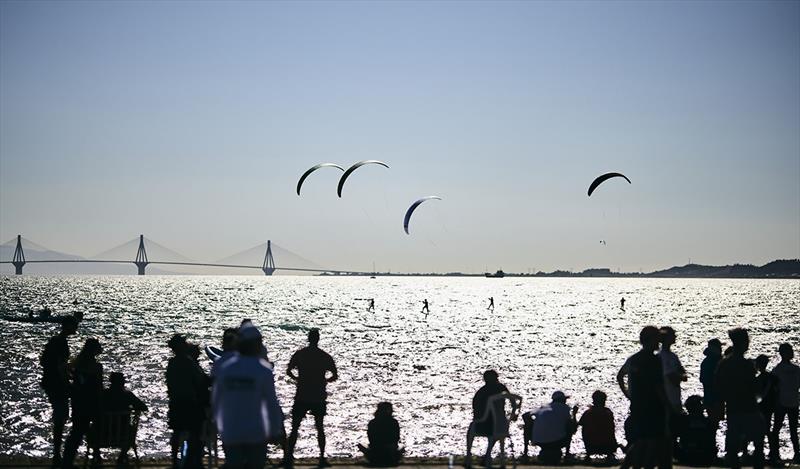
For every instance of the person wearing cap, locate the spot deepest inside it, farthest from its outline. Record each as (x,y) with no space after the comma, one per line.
(187,390)
(119,400)
(597,428)
(245,405)
(383,433)
(55,381)
(552,427)
(736,380)
(86,393)
(788,375)
(708,368)
(312,365)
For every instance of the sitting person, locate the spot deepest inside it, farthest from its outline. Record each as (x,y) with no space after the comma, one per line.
(696,433)
(551,428)
(119,400)
(598,428)
(481,426)
(384,437)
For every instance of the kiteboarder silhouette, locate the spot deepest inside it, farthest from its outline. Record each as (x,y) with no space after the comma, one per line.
(622,304)
(371,306)
(425,308)
(491,303)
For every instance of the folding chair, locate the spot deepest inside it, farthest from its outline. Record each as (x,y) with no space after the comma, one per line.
(501,419)
(115,430)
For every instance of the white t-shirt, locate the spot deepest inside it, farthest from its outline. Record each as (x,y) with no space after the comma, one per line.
(671,364)
(788,383)
(244,402)
(551,424)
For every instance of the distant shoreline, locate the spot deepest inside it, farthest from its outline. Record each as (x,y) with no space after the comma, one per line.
(778,269)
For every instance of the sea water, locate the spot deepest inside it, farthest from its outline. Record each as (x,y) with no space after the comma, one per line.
(543,335)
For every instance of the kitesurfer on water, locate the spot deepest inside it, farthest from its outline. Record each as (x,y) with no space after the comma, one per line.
(371,306)
(425,308)
(491,303)
(622,303)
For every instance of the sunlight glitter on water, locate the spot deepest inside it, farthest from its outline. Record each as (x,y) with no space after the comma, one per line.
(545,334)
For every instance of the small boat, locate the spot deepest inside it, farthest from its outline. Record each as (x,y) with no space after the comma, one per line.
(30,318)
(498,274)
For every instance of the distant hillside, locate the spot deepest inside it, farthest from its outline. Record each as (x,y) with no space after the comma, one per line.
(785,268)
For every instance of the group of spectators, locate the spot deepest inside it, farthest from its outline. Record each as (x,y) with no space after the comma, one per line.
(238,402)
(661,427)
(80,382)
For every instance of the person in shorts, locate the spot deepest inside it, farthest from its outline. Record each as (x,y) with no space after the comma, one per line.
(309,368)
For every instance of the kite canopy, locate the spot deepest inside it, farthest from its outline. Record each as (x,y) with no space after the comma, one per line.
(413,207)
(353,168)
(603,178)
(312,169)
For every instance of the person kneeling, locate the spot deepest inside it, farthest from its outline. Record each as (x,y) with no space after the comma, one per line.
(384,437)
(551,427)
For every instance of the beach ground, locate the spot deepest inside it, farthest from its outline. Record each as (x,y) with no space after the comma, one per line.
(345,463)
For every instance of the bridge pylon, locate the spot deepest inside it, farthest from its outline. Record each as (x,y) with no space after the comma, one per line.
(141,256)
(269,263)
(19,257)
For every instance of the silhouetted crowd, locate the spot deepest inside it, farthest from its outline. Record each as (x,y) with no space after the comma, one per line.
(238,404)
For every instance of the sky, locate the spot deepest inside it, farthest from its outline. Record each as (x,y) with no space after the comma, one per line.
(190,122)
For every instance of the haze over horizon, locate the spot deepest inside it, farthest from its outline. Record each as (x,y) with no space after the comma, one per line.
(191,122)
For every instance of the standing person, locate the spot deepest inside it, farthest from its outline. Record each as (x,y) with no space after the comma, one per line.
(87,393)
(55,381)
(229,336)
(674,373)
(312,365)
(480,401)
(788,375)
(371,307)
(491,303)
(425,308)
(245,405)
(187,390)
(736,381)
(622,303)
(708,369)
(648,444)
(767,389)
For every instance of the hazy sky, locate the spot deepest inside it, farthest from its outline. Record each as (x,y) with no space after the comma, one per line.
(191,122)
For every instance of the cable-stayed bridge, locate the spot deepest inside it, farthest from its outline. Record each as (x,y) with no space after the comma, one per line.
(166,257)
